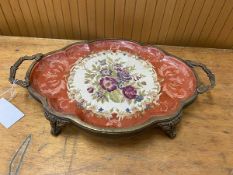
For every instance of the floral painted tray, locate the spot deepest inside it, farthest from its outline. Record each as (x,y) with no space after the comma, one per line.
(112,86)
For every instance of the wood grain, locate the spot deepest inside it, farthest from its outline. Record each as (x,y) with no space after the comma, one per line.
(75,18)
(129,14)
(157,20)
(119,18)
(210,21)
(91,14)
(139,14)
(100,18)
(9,16)
(82,12)
(4,25)
(193,19)
(51,18)
(179,7)
(44,18)
(184,19)
(148,20)
(220,22)
(26,11)
(36,18)
(59,18)
(17,13)
(203,23)
(166,20)
(204,137)
(202,19)
(109,18)
(67,18)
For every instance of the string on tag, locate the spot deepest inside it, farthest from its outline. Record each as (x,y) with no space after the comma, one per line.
(9,93)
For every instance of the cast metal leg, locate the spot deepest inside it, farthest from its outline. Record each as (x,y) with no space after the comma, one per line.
(169,127)
(55,128)
(56,123)
(170,131)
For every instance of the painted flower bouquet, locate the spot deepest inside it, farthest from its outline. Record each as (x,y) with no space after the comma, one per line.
(111,80)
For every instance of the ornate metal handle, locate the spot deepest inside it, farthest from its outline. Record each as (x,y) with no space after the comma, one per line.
(14,68)
(203,88)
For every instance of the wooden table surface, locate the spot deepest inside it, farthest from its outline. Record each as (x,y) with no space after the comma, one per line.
(204,142)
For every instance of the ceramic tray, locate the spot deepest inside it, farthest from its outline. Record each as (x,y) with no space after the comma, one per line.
(112,86)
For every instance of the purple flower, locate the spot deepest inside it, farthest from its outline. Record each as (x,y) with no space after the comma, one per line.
(117,66)
(90,89)
(105,72)
(139,98)
(108,83)
(129,92)
(123,75)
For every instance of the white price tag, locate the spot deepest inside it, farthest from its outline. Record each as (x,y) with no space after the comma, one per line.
(9,114)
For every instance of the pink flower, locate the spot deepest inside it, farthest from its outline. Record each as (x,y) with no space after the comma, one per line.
(174,80)
(54,77)
(90,89)
(123,75)
(105,72)
(129,92)
(108,83)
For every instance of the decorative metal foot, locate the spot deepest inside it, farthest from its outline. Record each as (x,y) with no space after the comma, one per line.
(169,127)
(170,131)
(55,128)
(56,123)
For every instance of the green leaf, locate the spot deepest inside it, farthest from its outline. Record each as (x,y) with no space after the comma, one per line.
(94,67)
(115,96)
(92,76)
(88,71)
(98,76)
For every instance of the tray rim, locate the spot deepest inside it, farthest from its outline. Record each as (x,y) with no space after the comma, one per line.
(157,121)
